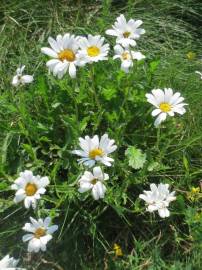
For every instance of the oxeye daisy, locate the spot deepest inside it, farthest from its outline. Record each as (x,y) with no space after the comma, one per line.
(94,150)
(166,103)
(126,32)
(64,53)
(29,188)
(19,78)
(158,199)
(94,181)
(93,49)
(40,233)
(9,263)
(126,56)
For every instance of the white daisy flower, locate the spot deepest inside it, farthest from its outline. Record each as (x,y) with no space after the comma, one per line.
(199,73)
(40,233)
(95,182)
(166,103)
(94,150)
(29,188)
(126,32)
(19,78)
(158,199)
(9,263)
(64,53)
(127,56)
(93,49)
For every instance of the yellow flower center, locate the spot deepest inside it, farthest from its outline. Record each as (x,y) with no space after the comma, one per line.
(30,189)
(93,51)
(39,233)
(125,56)
(126,34)
(95,152)
(165,107)
(67,54)
(94,181)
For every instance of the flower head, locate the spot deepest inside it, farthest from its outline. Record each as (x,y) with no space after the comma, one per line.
(40,233)
(64,53)
(29,188)
(126,32)
(94,150)
(19,78)
(191,55)
(126,56)
(118,250)
(194,194)
(9,263)
(94,181)
(166,103)
(93,49)
(158,199)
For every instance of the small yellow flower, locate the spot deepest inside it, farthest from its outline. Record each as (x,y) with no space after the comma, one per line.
(118,251)
(197,217)
(191,55)
(194,194)
(195,190)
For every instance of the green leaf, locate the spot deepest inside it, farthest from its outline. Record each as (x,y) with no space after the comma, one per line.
(154,65)
(109,93)
(136,157)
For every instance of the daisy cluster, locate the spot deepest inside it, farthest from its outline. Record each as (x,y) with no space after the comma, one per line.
(67,53)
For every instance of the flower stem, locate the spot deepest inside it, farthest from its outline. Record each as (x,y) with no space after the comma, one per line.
(93,86)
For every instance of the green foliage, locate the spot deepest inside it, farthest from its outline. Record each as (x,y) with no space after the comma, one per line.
(136,158)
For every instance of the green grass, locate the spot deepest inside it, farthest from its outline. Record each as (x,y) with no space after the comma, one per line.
(40,125)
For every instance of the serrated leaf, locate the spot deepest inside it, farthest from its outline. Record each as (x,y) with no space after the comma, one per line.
(153,166)
(109,93)
(136,157)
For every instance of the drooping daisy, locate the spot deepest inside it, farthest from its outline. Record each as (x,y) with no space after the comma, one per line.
(29,188)
(40,233)
(166,103)
(19,78)
(126,32)
(93,49)
(95,182)
(94,150)
(64,53)
(127,56)
(9,263)
(199,73)
(158,199)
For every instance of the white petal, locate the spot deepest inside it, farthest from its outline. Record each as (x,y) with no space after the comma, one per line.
(72,70)
(160,119)
(155,112)
(53,44)
(164,212)
(27,237)
(47,221)
(84,187)
(138,55)
(27,202)
(27,79)
(111,32)
(51,63)
(98,172)
(15,81)
(49,52)
(52,229)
